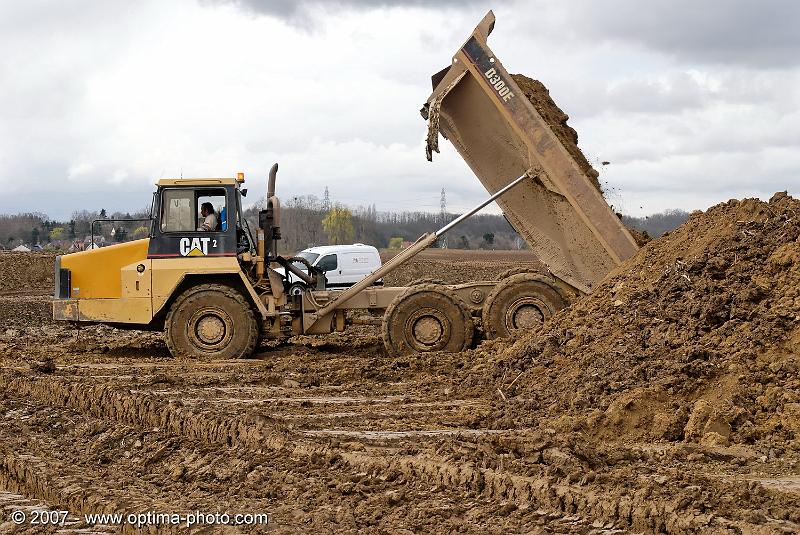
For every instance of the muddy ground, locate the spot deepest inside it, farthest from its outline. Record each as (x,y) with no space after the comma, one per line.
(329,434)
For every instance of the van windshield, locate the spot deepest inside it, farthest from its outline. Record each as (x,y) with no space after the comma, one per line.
(308,256)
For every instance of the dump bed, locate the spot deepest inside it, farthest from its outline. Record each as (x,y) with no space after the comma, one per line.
(560,212)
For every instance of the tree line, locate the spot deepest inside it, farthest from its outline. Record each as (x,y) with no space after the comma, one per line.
(38,230)
(656,225)
(305,222)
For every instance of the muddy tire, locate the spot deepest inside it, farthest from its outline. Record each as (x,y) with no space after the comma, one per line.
(520,304)
(211,321)
(427,318)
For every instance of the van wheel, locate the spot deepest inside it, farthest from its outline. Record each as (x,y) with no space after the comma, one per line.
(211,321)
(297,288)
(427,318)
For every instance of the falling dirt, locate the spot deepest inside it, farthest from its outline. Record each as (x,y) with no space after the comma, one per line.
(665,402)
(538,95)
(536,92)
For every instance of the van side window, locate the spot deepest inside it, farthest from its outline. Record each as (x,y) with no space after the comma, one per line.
(328,263)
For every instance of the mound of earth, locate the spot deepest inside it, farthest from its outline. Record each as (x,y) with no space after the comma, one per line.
(26,273)
(458,266)
(694,339)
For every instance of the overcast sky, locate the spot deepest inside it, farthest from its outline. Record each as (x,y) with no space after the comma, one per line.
(692,102)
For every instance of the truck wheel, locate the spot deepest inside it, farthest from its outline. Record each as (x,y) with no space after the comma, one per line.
(520,304)
(427,318)
(211,321)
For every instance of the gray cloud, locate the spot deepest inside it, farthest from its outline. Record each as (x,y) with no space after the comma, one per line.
(98,101)
(743,32)
(296,11)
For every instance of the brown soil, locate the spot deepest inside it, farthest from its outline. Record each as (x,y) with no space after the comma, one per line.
(455,266)
(26,273)
(693,339)
(536,92)
(604,422)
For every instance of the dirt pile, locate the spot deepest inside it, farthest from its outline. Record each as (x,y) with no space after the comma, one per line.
(26,272)
(696,338)
(556,119)
(26,279)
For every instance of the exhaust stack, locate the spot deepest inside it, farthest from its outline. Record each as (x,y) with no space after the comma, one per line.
(269,230)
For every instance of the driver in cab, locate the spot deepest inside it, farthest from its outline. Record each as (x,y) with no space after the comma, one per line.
(210,220)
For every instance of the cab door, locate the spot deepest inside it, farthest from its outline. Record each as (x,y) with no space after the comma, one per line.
(177,232)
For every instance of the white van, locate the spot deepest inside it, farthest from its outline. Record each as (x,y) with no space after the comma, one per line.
(344,265)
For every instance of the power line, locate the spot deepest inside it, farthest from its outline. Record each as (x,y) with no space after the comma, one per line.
(326,200)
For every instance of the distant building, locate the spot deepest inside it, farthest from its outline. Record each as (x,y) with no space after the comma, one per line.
(58,245)
(99,241)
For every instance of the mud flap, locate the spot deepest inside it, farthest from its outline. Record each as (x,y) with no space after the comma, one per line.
(65,310)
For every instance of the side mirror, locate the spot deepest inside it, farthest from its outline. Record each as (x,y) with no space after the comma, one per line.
(244,192)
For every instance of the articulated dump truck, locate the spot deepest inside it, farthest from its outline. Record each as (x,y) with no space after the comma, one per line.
(215,290)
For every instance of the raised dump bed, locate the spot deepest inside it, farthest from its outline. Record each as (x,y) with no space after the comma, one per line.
(562,214)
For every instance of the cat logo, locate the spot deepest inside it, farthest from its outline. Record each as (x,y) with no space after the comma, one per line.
(194,246)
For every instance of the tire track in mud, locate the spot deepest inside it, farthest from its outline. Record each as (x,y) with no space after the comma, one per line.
(639,511)
(254,478)
(27,475)
(12,501)
(76,470)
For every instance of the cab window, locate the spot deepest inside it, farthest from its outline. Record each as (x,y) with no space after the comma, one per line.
(211,212)
(177,211)
(187,210)
(328,263)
